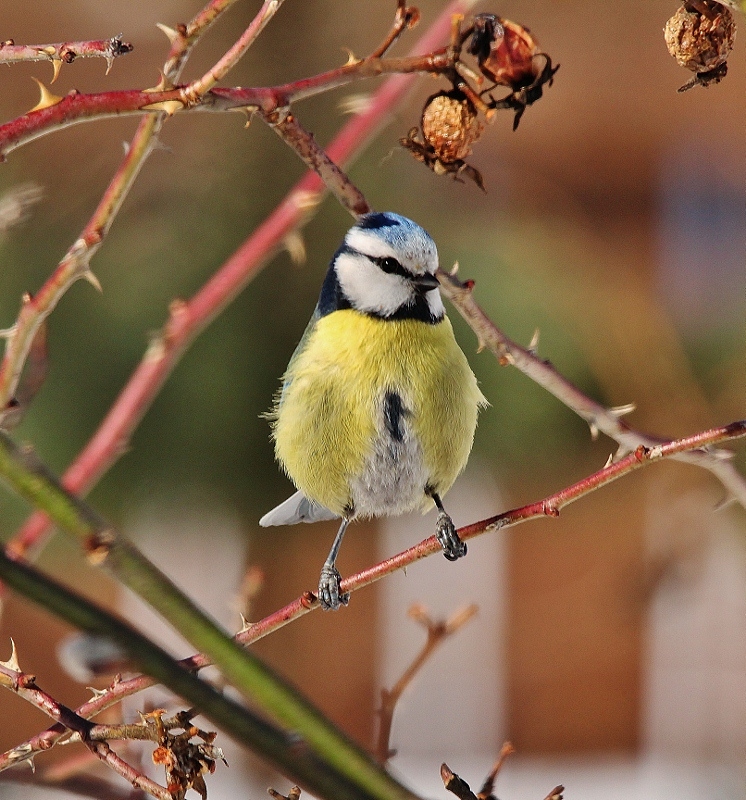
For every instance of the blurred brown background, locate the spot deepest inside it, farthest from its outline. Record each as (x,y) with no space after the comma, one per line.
(614,222)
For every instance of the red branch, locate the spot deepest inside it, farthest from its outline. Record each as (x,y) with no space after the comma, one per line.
(64,52)
(76,107)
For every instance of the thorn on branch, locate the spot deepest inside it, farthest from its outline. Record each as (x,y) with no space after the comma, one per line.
(622,411)
(46,100)
(12,663)
(172,35)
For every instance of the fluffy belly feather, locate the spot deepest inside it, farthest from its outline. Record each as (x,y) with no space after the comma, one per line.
(394,473)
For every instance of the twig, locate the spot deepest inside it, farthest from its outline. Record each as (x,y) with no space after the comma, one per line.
(64,52)
(188,320)
(127,771)
(488,786)
(192,93)
(184,37)
(437,632)
(550,506)
(406,18)
(285,124)
(53,113)
(598,417)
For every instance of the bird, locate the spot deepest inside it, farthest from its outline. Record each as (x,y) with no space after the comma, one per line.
(378,407)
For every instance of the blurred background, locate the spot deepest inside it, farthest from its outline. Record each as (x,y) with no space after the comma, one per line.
(610,646)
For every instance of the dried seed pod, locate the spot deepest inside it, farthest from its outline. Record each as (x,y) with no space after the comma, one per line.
(450,125)
(449,129)
(700,41)
(509,55)
(506,51)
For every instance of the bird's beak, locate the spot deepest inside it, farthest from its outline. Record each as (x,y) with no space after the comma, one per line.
(425,283)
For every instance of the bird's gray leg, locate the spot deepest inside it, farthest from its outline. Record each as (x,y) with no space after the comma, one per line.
(445,530)
(329,594)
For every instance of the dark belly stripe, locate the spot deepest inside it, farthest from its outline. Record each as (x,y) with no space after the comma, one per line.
(393,413)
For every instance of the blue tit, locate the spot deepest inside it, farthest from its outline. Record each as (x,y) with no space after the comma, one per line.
(378,407)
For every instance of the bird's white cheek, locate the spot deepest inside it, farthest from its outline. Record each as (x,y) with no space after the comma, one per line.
(435,303)
(368,288)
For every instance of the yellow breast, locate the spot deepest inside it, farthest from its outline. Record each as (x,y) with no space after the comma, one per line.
(331,412)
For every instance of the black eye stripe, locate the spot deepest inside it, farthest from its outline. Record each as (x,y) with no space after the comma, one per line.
(392,266)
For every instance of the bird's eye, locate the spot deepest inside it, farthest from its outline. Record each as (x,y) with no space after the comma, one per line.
(390,264)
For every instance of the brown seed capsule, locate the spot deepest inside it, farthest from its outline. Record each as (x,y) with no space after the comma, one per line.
(449,129)
(505,51)
(450,125)
(701,42)
(509,55)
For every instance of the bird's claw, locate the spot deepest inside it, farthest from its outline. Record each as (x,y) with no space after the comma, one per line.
(330,596)
(445,533)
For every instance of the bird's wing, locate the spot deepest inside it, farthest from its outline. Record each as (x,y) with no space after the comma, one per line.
(301,346)
(297,508)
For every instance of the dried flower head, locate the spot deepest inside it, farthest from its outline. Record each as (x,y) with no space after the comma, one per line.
(186,762)
(700,39)
(509,55)
(449,129)
(450,125)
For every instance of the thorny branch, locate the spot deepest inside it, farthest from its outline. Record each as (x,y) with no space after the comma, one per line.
(64,52)
(54,113)
(24,685)
(598,417)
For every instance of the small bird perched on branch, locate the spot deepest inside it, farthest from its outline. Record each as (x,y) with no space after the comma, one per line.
(378,407)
